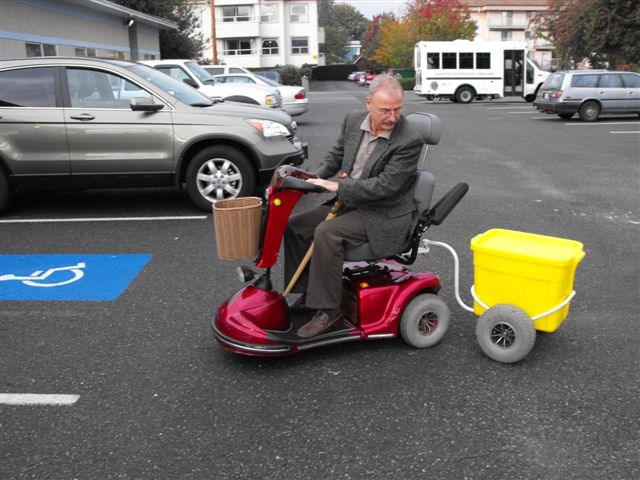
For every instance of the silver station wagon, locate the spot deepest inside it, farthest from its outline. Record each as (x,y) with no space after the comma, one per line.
(589,93)
(78,123)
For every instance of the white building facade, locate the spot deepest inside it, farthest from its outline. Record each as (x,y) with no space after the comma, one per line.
(259,33)
(509,20)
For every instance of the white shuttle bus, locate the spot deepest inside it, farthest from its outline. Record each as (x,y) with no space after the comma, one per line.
(463,70)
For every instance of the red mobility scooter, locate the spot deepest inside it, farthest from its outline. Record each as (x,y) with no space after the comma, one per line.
(382,298)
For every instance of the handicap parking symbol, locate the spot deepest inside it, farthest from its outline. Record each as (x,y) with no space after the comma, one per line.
(75,277)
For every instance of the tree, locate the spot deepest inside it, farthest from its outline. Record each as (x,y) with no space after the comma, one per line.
(423,20)
(370,39)
(341,23)
(181,43)
(605,32)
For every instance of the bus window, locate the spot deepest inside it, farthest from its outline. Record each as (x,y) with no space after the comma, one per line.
(433,60)
(449,60)
(483,60)
(466,60)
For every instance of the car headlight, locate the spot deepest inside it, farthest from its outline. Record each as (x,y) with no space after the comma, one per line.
(269,128)
(270,100)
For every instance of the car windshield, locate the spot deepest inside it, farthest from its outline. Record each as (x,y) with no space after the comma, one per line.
(268,81)
(179,90)
(200,72)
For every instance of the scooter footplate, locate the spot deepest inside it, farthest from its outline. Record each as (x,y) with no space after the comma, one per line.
(342,331)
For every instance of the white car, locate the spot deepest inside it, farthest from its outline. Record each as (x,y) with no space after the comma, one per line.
(189,72)
(294,98)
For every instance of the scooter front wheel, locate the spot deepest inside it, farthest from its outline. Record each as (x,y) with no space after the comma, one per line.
(505,333)
(424,321)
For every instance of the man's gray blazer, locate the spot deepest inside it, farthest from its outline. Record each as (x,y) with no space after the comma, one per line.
(384,192)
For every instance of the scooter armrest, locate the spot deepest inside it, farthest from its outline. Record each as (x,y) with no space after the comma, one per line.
(294,183)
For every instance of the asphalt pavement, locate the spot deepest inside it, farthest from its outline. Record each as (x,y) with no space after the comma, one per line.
(146,393)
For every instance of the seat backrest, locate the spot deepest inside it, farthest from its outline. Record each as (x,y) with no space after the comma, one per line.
(424,186)
(427,125)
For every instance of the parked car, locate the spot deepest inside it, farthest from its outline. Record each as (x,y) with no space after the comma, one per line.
(294,98)
(194,75)
(355,76)
(227,69)
(77,123)
(589,93)
(366,78)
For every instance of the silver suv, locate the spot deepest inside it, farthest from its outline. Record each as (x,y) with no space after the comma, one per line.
(76,123)
(589,93)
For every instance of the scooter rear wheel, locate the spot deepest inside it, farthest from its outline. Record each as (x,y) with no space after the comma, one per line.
(424,321)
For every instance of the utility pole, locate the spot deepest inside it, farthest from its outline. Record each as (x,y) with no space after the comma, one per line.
(213,32)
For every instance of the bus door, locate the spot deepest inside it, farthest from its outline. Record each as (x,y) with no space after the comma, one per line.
(514,65)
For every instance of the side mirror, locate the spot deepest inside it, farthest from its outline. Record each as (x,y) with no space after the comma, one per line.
(191,82)
(145,104)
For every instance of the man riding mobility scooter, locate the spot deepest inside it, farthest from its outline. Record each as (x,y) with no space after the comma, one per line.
(381,298)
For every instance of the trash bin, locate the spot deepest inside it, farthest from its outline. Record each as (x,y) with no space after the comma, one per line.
(533,272)
(237,227)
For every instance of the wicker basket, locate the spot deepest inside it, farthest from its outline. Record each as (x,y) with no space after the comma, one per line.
(237,226)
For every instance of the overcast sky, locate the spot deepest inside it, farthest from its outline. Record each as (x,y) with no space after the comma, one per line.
(369,8)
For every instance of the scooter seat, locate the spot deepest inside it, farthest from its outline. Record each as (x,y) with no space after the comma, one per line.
(422,193)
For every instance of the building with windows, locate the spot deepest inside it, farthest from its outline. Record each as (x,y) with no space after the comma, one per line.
(93,28)
(509,20)
(259,33)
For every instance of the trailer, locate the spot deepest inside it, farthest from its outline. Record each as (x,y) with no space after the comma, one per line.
(464,70)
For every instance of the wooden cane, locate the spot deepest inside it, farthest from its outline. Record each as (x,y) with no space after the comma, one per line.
(307,256)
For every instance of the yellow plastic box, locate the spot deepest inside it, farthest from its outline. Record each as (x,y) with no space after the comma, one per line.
(533,272)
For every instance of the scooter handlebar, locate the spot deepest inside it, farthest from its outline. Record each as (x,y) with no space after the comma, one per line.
(294,183)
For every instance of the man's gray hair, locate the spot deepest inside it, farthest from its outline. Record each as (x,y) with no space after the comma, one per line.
(384,82)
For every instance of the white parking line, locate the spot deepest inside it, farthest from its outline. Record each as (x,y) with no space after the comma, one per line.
(37,399)
(102,219)
(598,124)
(623,131)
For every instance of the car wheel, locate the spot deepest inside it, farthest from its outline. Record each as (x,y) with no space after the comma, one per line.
(464,95)
(424,321)
(505,333)
(6,192)
(589,111)
(565,116)
(218,173)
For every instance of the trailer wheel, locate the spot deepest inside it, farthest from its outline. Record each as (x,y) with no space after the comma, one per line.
(465,95)
(424,321)
(505,333)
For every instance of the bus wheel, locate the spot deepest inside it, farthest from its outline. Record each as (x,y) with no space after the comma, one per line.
(464,95)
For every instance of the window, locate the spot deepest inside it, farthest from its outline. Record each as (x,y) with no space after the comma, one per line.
(28,87)
(631,80)
(238,13)
(97,89)
(238,47)
(466,60)
(506,35)
(610,80)
(584,81)
(449,60)
(483,60)
(85,52)
(270,46)
(269,13)
(433,60)
(299,45)
(298,13)
(40,49)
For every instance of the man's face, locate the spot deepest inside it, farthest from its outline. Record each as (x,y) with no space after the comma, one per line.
(385,108)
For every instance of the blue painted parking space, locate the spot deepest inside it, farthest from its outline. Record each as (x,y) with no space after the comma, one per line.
(75,277)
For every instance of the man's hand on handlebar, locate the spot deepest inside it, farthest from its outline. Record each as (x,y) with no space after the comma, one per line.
(328,185)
